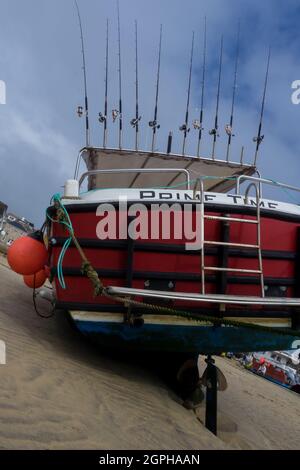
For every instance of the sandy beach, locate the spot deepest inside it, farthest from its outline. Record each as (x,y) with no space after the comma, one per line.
(57,392)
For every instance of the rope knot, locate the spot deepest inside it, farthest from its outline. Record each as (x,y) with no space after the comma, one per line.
(88,270)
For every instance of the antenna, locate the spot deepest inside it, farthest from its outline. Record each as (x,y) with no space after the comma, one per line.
(229,127)
(202,93)
(80,109)
(135,121)
(120,80)
(184,128)
(214,131)
(153,124)
(103,118)
(259,138)
(170,138)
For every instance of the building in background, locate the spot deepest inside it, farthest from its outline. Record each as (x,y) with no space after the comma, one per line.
(11,227)
(3,210)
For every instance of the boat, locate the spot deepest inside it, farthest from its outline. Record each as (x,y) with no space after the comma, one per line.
(244,273)
(174,253)
(280,367)
(170,253)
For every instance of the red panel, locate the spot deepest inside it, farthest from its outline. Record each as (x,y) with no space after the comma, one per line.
(100,258)
(276,235)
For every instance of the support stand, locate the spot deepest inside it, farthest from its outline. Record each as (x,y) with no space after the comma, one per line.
(211,395)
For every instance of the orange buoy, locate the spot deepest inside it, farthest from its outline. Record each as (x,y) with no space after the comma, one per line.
(28,255)
(35,280)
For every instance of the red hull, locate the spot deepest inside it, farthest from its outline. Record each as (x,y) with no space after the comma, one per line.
(163,261)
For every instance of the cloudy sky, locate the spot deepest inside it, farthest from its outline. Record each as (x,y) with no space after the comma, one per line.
(40,62)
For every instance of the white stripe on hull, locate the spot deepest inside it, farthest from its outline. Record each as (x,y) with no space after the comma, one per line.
(149,319)
(173,320)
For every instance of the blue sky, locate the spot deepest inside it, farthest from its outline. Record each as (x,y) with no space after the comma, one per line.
(40,62)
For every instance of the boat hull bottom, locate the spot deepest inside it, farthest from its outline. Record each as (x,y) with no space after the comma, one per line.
(179,338)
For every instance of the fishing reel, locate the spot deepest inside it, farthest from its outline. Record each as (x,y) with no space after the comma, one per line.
(115,114)
(101,118)
(258,139)
(79,111)
(229,130)
(154,125)
(214,132)
(134,122)
(197,125)
(184,128)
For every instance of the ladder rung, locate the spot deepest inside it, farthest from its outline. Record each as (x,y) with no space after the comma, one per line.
(230,219)
(235,270)
(240,245)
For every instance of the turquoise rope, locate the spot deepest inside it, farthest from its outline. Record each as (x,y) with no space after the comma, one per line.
(68,224)
(60,274)
(288,192)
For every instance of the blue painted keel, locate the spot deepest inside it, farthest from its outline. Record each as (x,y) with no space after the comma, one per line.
(184,339)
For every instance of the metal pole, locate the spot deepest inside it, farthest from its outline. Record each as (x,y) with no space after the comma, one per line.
(87,126)
(136,90)
(157,92)
(260,137)
(186,130)
(106,91)
(230,135)
(120,80)
(214,132)
(211,396)
(203,88)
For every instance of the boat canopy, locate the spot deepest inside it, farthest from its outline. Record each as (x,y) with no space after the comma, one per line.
(221,175)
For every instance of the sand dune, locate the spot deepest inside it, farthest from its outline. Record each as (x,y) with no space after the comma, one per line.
(57,392)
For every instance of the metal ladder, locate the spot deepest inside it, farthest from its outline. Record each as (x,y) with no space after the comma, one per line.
(256,246)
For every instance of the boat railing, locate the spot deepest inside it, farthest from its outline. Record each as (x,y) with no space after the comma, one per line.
(261,182)
(137,171)
(207,298)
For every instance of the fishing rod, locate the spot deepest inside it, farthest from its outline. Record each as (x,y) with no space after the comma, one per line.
(103,117)
(214,131)
(80,111)
(135,121)
(229,127)
(120,80)
(196,123)
(259,138)
(184,128)
(153,124)
(199,125)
